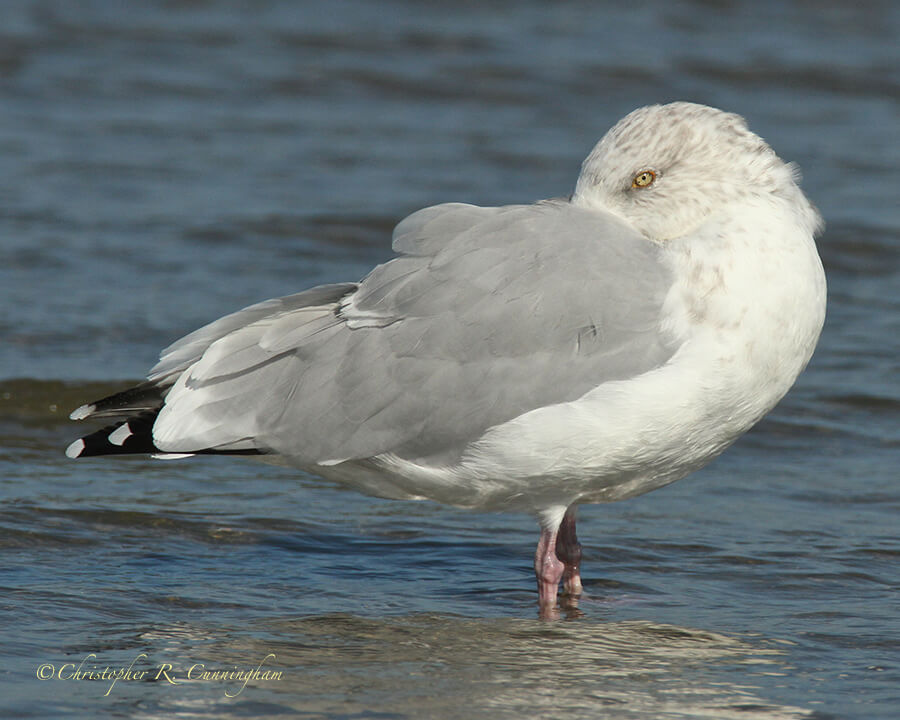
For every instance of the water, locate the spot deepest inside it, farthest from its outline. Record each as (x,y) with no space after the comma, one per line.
(162,163)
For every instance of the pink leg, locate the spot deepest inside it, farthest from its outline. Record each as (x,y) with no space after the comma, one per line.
(568,549)
(549,571)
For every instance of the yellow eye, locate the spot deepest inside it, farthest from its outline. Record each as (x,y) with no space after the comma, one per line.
(643,179)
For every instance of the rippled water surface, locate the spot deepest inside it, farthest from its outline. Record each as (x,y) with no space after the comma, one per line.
(162,163)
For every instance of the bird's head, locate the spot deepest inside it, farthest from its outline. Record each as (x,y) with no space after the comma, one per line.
(665,169)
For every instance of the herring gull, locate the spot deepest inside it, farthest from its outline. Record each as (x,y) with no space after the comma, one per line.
(525,357)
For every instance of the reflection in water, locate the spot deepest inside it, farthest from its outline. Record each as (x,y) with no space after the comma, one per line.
(442,667)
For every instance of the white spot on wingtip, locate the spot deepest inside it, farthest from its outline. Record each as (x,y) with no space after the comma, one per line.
(82,412)
(75,449)
(120,435)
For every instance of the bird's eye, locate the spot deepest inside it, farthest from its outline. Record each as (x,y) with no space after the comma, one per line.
(643,179)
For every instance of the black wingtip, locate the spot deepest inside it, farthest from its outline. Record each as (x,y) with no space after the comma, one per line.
(136,400)
(133,436)
(135,411)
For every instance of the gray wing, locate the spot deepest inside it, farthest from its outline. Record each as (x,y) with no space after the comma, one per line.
(183,353)
(487,313)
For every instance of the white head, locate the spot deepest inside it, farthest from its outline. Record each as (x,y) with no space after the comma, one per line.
(666,168)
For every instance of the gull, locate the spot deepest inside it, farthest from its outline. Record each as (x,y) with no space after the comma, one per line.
(526,357)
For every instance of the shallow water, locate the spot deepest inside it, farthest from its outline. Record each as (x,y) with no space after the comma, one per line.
(166,162)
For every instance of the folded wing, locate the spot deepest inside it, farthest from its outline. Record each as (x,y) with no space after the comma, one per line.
(486,314)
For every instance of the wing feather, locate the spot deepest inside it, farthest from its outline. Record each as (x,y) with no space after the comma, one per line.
(488,313)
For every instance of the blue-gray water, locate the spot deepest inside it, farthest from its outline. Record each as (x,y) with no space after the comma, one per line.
(162,163)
